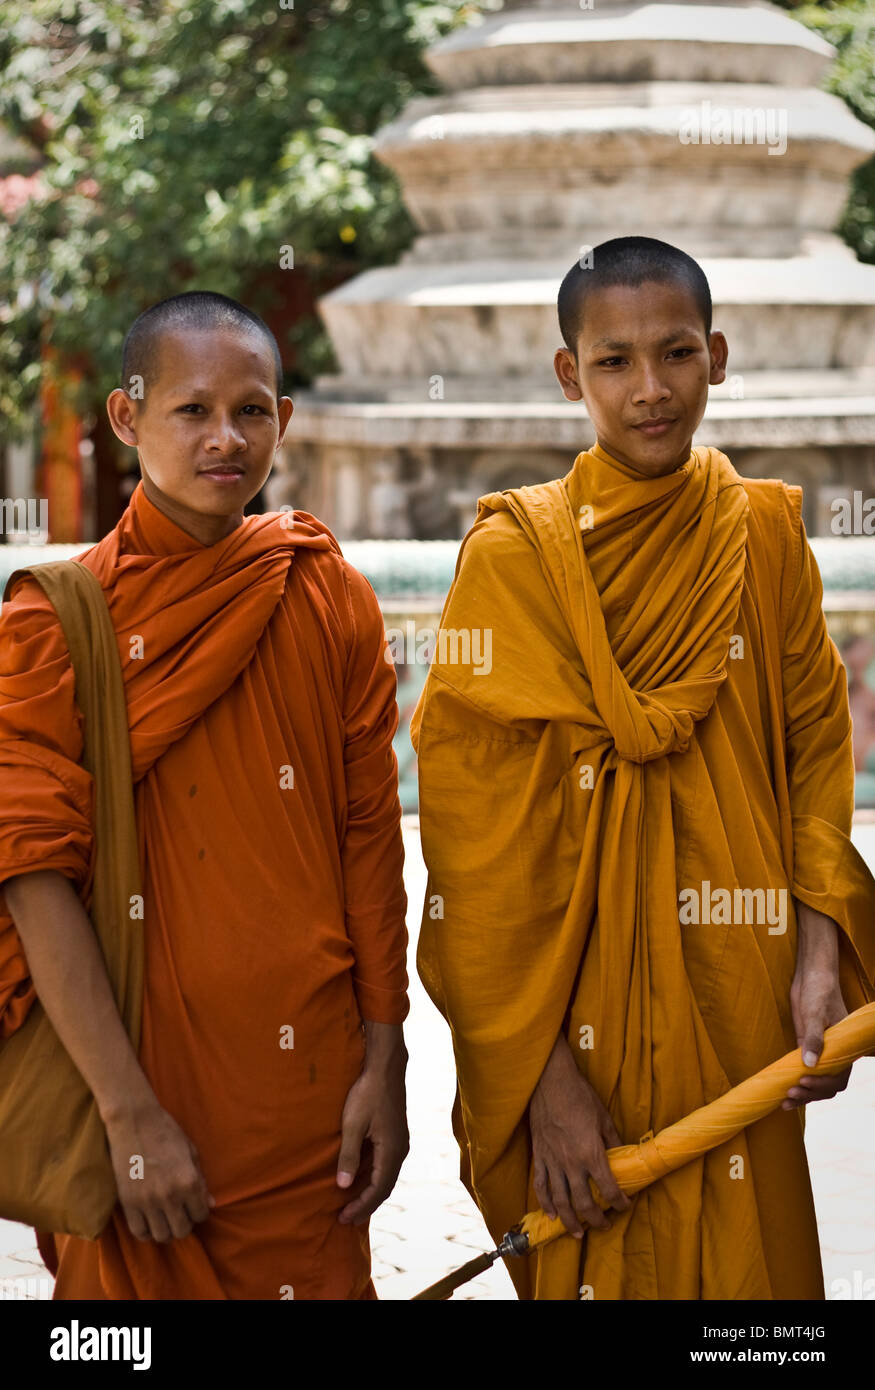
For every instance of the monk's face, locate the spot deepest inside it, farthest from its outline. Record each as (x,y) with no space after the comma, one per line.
(643,356)
(207,428)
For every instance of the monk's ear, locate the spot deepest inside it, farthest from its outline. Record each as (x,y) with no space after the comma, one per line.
(719,350)
(565,368)
(284,408)
(122,413)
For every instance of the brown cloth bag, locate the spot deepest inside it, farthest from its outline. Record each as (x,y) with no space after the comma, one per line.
(55,1168)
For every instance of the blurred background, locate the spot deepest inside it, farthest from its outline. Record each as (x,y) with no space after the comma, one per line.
(398,189)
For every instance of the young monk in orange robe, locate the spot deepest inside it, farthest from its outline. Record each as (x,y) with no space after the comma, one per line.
(261,711)
(637,715)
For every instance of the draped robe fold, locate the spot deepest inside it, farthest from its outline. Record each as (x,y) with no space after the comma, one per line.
(261,709)
(662,709)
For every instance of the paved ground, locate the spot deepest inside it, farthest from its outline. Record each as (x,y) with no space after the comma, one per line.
(430,1226)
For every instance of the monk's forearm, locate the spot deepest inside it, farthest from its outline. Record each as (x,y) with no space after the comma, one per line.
(384,1045)
(69,975)
(817,940)
(560,1065)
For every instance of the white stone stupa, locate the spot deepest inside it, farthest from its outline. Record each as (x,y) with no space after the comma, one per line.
(561,126)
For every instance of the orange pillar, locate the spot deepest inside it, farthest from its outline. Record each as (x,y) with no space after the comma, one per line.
(59,474)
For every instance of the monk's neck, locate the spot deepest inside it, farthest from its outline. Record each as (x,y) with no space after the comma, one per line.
(201,527)
(646,468)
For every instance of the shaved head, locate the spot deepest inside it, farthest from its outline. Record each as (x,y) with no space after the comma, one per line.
(201,309)
(634,261)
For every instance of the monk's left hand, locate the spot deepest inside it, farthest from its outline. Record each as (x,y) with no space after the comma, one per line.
(816,1003)
(376,1112)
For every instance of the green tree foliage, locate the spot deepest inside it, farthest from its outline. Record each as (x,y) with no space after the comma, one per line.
(850,27)
(180,144)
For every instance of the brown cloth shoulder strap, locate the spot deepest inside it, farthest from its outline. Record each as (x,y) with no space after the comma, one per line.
(117,902)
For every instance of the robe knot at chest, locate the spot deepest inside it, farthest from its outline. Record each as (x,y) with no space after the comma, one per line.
(648,575)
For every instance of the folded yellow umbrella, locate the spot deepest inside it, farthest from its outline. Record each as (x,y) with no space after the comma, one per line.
(636,1165)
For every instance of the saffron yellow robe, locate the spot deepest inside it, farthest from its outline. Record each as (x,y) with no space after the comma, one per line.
(661,708)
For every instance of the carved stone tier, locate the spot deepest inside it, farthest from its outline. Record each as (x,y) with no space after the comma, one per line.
(490,318)
(622,42)
(499,168)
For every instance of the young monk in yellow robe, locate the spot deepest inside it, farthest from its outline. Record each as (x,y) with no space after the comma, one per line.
(267,1099)
(636,794)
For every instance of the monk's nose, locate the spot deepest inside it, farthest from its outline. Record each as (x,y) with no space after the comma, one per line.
(228,438)
(649,389)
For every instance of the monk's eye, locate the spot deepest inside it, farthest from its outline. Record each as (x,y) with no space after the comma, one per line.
(192,405)
(686,351)
(259,408)
(611,361)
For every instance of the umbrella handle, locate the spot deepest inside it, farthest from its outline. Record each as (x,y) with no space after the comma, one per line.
(444,1288)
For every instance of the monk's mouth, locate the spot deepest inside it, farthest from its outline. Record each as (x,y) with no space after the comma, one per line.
(222,475)
(655,428)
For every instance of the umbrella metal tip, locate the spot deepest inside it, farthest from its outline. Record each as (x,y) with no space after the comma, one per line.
(514,1243)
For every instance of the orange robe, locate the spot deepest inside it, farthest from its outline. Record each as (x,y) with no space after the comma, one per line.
(661,708)
(261,709)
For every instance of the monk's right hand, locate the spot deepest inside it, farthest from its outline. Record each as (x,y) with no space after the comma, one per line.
(161,1188)
(571,1130)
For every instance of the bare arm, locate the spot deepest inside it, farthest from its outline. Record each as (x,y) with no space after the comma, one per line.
(164,1194)
(68,971)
